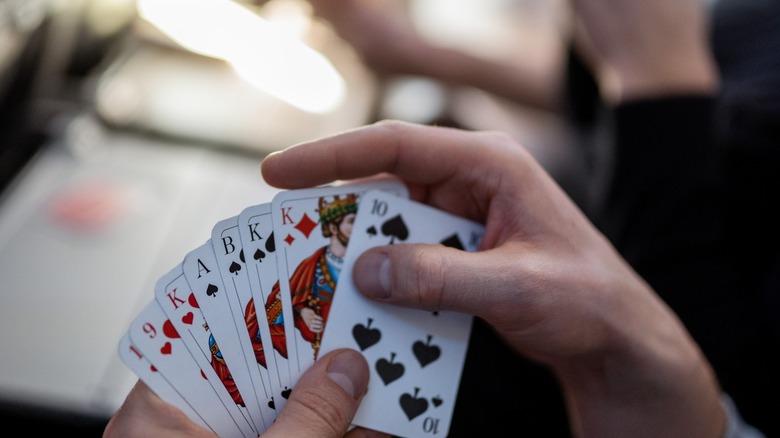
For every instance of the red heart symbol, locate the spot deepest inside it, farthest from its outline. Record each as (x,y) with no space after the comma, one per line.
(193,302)
(170,330)
(166,349)
(153,368)
(187,319)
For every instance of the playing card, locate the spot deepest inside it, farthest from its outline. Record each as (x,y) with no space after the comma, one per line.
(312,229)
(231,261)
(158,340)
(257,240)
(201,270)
(148,373)
(416,357)
(175,297)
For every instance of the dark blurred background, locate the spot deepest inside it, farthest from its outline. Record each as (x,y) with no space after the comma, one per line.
(127,129)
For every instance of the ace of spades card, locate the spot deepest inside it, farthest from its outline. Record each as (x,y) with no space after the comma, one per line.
(312,229)
(416,357)
(201,270)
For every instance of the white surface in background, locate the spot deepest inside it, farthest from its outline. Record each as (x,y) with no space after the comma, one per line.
(70,287)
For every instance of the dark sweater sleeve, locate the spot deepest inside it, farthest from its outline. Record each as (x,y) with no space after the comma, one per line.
(664,213)
(665,171)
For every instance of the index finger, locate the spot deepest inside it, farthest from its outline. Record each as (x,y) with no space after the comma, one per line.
(416,153)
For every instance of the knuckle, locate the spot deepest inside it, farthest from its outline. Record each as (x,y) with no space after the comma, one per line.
(319,407)
(424,280)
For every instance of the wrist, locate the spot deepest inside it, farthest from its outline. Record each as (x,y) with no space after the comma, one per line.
(635,80)
(648,378)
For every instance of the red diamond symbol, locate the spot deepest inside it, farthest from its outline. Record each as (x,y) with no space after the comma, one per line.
(289,239)
(305,225)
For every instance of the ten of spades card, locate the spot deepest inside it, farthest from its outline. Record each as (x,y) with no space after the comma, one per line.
(416,357)
(312,230)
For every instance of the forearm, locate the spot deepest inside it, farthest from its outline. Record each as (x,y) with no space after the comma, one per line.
(515,81)
(388,42)
(632,406)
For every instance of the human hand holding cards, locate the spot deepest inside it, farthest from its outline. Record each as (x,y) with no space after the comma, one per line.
(206,344)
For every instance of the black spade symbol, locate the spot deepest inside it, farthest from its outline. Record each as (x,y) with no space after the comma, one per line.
(286,393)
(437,401)
(234,268)
(412,405)
(241,256)
(271,404)
(453,242)
(395,228)
(211,290)
(425,352)
(371,231)
(365,336)
(259,255)
(270,246)
(388,370)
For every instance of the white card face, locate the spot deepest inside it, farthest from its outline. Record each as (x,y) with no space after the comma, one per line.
(176,299)
(149,374)
(201,270)
(257,238)
(231,258)
(158,340)
(416,357)
(311,229)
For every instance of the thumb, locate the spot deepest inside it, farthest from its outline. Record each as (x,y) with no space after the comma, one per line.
(325,398)
(427,277)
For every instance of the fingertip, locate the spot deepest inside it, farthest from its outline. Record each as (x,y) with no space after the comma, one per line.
(267,168)
(372,274)
(349,370)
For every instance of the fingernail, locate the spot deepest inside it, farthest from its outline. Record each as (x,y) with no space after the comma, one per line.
(349,371)
(372,275)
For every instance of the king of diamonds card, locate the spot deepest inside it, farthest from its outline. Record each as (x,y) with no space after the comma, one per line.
(312,229)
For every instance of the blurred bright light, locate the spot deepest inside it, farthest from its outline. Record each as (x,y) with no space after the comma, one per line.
(260,53)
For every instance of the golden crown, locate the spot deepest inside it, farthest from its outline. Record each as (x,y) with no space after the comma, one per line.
(337,207)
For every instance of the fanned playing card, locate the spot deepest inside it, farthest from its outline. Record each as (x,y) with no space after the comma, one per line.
(157,339)
(312,229)
(201,270)
(231,259)
(416,357)
(257,238)
(177,301)
(156,381)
